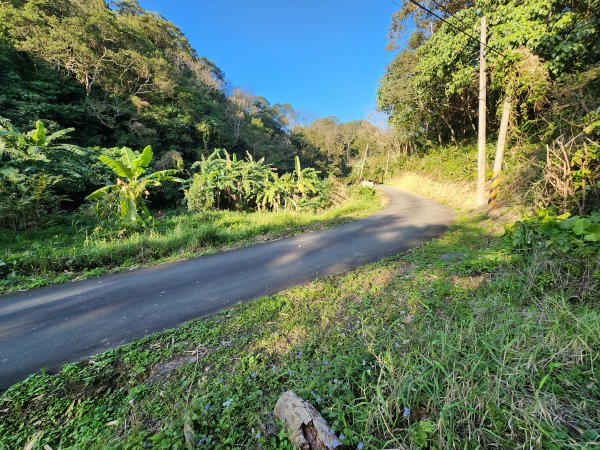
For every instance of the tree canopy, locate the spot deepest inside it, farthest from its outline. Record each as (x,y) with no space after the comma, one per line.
(123,76)
(430,87)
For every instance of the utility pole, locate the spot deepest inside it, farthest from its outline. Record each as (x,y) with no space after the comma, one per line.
(482,117)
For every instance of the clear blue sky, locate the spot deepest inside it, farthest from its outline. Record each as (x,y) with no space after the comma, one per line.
(324,57)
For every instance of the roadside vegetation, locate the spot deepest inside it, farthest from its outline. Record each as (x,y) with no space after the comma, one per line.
(226,202)
(470,340)
(69,250)
(54,228)
(487,337)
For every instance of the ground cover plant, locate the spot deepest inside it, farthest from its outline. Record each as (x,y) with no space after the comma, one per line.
(69,250)
(464,342)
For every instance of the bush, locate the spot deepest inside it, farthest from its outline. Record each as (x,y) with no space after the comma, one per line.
(364,191)
(557,234)
(200,195)
(27,201)
(571,175)
(570,172)
(39,174)
(30,173)
(224,182)
(558,252)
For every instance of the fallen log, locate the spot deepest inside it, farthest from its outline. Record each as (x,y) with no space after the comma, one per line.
(306,428)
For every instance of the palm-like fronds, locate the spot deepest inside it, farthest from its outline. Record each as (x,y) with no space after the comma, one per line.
(132,186)
(224,181)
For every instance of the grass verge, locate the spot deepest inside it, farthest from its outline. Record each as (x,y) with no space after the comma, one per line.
(450,345)
(61,253)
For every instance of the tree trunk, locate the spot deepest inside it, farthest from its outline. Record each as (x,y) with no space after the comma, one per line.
(362,166)
(499,153)
(387,165)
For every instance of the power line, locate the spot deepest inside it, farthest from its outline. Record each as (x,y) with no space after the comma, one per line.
(414,2)
(442,7)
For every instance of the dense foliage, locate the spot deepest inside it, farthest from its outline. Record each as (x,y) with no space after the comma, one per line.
(223,181)
(124,76)
(430,88)
(39,175)
(36,173)
(543,56)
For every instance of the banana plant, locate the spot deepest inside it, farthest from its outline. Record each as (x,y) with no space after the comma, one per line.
(306,182)
(223,180)
(33,145)
(307,179)
(132,186)
(255,177)
(274,190)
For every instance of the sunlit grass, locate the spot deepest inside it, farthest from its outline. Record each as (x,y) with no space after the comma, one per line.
(459,195)
(448,174)
(62,253)
(417,351)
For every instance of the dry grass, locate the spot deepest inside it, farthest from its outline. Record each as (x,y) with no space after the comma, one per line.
(456,194)
(459,195)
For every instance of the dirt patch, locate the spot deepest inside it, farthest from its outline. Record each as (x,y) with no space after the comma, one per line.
(283,344)
(471,282)
(160,372)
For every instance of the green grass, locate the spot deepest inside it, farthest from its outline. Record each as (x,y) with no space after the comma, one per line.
(416,351)
(66,252)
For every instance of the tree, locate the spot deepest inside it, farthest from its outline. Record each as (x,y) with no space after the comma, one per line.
(124,76)
(429,89)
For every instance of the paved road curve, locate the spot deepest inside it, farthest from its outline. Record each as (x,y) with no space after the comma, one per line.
(50,326)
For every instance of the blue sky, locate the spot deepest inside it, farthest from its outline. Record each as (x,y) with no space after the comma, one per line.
(324,57)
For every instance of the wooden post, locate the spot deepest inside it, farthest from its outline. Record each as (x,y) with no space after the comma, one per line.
(499,153)
(362,166)
(482,117)
(502,134)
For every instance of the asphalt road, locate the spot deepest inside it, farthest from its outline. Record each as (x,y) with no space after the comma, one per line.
(47,327)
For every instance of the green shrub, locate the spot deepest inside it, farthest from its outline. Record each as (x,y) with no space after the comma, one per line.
(364,191)
(31,170)
(27,200)
(224,182)
(564,234)
(558,252)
